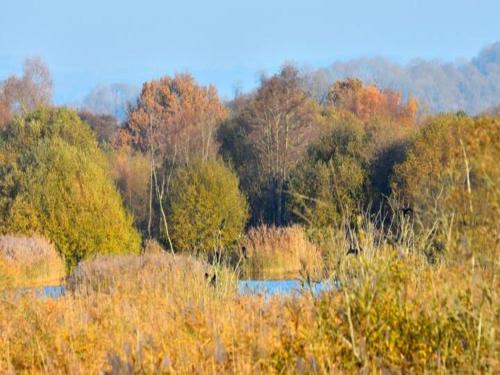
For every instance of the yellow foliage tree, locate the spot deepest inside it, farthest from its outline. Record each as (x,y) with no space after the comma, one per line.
(451,179)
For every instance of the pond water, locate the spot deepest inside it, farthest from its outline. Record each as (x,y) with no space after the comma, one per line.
(262,287)
(49,291)
(282,287)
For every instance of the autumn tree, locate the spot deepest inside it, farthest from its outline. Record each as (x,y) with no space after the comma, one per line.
(389,124)
(177,117)
(105,127)
(451,177)
(26,93)
(369,102)
(174,121)
(278,122)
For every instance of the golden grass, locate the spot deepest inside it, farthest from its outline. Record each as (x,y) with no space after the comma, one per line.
(28,261)
(159,314)
(280,252)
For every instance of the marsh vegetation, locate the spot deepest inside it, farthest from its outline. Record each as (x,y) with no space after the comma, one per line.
(152,223)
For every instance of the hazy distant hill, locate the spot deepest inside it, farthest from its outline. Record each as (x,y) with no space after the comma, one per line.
(473,86)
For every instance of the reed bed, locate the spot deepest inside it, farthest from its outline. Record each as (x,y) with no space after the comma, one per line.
(27,261)
(280,252)
(161,314)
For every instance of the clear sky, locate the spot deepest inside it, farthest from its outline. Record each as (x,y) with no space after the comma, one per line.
(228,42)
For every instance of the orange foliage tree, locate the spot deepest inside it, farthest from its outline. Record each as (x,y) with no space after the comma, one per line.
(369,102)
(388,121)
(174,121)
(176,117)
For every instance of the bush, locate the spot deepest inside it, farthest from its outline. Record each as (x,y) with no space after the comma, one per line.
(207,210)
(53,181)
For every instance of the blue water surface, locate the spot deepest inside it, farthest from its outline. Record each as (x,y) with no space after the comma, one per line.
(54,291)
(245,287)
(283,287)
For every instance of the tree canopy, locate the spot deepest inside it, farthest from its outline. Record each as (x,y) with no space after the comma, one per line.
(54,181)
(450,178)
(207,210)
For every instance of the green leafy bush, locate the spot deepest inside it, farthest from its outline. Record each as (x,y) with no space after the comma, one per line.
(53,181)
(207,210)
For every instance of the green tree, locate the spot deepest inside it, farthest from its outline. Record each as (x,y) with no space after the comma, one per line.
(331,182)
(208,211)
(54,181)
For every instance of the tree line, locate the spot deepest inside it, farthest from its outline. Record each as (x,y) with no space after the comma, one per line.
(193,172)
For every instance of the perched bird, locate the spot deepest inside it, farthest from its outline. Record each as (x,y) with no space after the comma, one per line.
(213,279)
(406,210)
(354,250)
(244,252)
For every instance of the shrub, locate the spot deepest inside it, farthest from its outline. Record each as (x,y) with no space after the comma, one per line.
(207,210)
(53,181)
(280,251)
(29,260)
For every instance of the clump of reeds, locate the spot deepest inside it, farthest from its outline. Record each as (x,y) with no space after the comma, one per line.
(280,251)
(152,247)
(154,273)
(28,261)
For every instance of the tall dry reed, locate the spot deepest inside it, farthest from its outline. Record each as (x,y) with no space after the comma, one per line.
(28,261)
(280,251)
(160,314)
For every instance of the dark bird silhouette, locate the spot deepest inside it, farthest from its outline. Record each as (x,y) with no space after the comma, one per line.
(212,280)
(244,252)
(406,210)
(354,250)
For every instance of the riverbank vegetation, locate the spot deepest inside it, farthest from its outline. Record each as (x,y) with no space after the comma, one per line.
(157,218)
(159,314)
(29,261)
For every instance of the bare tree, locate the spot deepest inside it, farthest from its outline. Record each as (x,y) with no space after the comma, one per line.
(281,122)
(24,94)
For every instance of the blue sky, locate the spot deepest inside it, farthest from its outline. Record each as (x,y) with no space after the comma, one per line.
(228,42)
